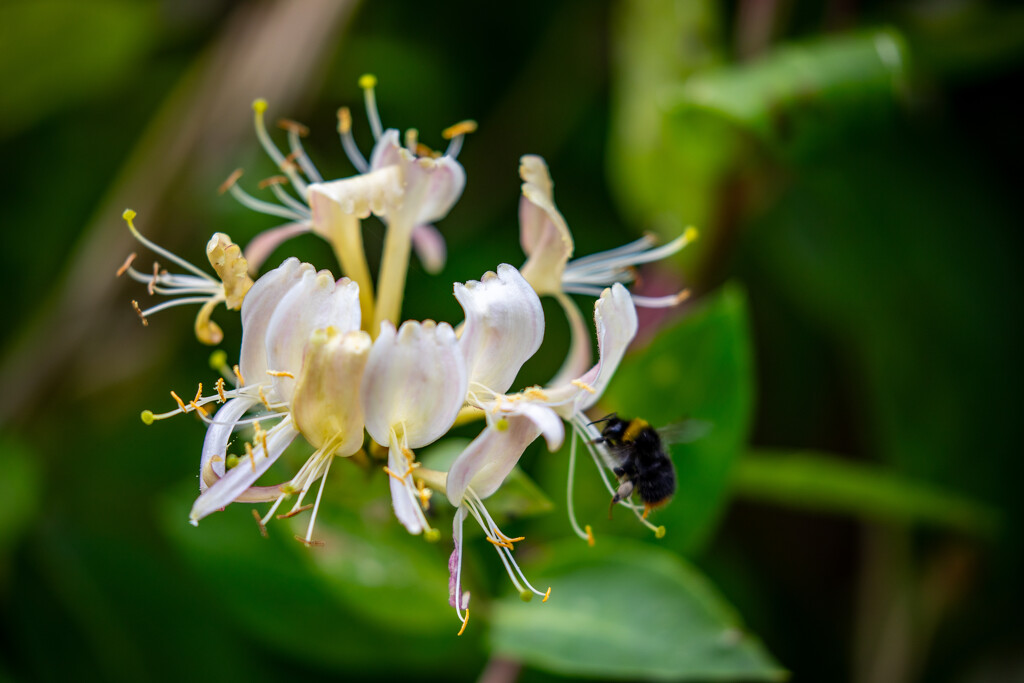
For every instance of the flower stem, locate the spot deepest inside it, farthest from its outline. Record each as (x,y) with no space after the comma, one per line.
(394,265)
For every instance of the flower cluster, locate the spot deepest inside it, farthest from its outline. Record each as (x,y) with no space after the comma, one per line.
(331,360)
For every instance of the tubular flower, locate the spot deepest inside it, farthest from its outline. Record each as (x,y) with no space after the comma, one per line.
(548,245)
(196,287)
(408,187)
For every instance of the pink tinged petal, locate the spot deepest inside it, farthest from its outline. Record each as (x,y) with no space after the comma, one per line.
(428,242)
(455,563)
(414,382)
(325,405)
(316,301)
(218,434)
(543,232)
(238,479)
(403,503)
(616,323)
(377,192)
(257,309)
(488,459)
(577,360)
(546,420)
(504,327)
(263,245)
(387,151)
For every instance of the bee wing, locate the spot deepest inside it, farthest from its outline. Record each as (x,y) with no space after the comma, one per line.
(685,431)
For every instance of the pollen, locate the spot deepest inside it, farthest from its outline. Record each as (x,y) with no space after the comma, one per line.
(460,128)
(128,214)
(259,105)
(231,180)
(280,373)
(181,404)
(272,180)
(547,595)
(151,287)
(424,151)
(590,536)
(584,386)
(263,397)
(501,544)
(252,456)
(367,81)
(344,120)
(126,265)
(135,305)
(198,408)
(147,417)
(238,374)
(501,425)
(682,296)
(464,622)
(220,389)
(691,234)
(293,126)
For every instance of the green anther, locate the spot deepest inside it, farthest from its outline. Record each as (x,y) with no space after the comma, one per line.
(232,461)
(525,595)
(659,532)
(147,417)
(218,359)
(432,535)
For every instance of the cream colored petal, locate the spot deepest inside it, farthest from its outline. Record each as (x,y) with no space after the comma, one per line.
(415,382)
(616,324)
(377,192)
(401,500)
(238,480)
(325,405)
(231,267)
(215,445)
(504,327)
(543,232)
(315,302)
(488,459)
(257,309)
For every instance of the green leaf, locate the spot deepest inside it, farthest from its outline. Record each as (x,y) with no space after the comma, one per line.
(624,609)
(19,490)
(822,482)
(702,368)
(54,53)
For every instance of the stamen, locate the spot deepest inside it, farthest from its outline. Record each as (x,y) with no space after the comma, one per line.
(547,595)
(181,404)
(272,180)
(156,276)
(568,492)
(263,527)
(238,374)
(306,542)
(263,396)
(501,544)
(583,385)
(299,154)
(368,82)
(424,151)
(199,409)
(464,621)
(590,536)
(460,128)
(126,265)
(220,389)
(319,495)
(348,143)
(296,511)
(142,316)
(280,373)
(273,509)
(231,180)
(129,216)
(199,393)
(293,127)
(259,107)
(661,301)
(411,140)
(392,473)
(289,200)
(260,206)
(252,456)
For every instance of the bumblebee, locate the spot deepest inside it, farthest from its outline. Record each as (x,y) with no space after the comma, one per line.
(639,460)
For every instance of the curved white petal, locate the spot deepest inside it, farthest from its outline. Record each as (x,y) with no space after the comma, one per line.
(377,192)
(218,435)
(415,381)
(543,232)
(387,151)
(455,562)
(325,405)
(238,480)
(488,459)
(578,358)
(504,327)
(402,502)
(263,244)
(546,420)
(257,309)
(616,323)
(316,301)
(428,243)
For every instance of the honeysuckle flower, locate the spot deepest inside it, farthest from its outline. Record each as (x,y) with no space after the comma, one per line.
(548,244)
(408,187)
(196,286)
(412,389)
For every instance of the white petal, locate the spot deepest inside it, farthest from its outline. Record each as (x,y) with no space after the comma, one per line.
(326,406)
(428,242)
(377,192)
(415,380)
(263,244)
(238,480)
(431,186)
(315,302)
(401,501)
(543,232)
(388,151)
(257,309)
(504,327)
(219,433)
(577,360)
(546,420)
(616,323)
(455,562)
(488,459)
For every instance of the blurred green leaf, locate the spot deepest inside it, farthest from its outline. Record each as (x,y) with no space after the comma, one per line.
(54,53)
(19,490)
(701,367)
(822,482)
(624,609)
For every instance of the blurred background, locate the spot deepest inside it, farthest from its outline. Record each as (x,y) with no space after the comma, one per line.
(851,516)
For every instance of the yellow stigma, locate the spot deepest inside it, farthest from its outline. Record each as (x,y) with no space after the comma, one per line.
(259,105)
(128,215)
(432,535)
(691,234)
(501,425)
(460,128)
(147,417)
(525,595)
(367,81)
(218,359)
(659,532)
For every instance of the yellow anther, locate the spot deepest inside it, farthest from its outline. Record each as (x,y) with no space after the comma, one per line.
(682,296)
(590,536)
(432,535)
(647,511)
(464,622)
(367,81)
(199,393)
(263,397)
(272,180)
(690,234)
(502,544)
(344,120)
(525,595)
(584,386)
(460,128)
(252,456)
(259,105)
(259,520)
(238,374)
(501,425)
(126,265)
(181,404)
(230,182)
(409,455)
(289,125)
(220,389)
(199,408)
(412,137)
(280,373)
(505,538)
(263,442)
(424,151)
(394,474)
(135,305)
(147,417)
(547,595)
(218,359)
(536,393)
(659,532)
(296,511)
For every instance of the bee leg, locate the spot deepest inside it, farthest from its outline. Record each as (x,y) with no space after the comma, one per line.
(611,506)
(618,471)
